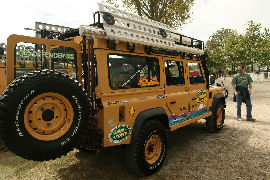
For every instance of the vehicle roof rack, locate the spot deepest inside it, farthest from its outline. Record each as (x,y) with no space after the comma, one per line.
(53,29)
(119,25)
(50,31)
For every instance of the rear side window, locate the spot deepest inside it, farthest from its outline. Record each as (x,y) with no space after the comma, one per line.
(174,73)
(195,73)
(127,71)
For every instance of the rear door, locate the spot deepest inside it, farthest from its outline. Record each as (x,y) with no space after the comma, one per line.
(26,54)
(176,91)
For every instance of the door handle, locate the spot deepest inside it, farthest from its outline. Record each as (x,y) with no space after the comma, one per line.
(172,102)
(194,98)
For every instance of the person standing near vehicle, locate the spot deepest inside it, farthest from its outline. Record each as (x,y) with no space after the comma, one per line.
(241,84)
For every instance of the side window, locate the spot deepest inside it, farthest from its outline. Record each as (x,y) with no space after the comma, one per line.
(195,73)
(174,73)
(126,71)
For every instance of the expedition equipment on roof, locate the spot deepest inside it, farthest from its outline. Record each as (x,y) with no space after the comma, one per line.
(124,80)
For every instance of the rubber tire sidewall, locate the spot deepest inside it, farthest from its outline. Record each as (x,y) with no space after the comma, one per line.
(212,120)
(135,151)
(226,93)
(17,137)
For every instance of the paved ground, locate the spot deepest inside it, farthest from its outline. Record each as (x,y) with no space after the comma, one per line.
(240,151)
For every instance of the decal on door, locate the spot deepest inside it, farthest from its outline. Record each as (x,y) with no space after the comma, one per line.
(201,96)
(176,119)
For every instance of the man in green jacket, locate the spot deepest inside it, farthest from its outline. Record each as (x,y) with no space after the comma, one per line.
(242,87)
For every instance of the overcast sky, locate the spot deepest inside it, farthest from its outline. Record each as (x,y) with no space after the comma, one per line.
(208,15)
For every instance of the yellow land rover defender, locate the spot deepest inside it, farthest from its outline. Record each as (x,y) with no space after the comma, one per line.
(123,80)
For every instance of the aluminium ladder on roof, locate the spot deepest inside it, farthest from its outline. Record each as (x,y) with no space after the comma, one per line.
(127,27)
(40,26)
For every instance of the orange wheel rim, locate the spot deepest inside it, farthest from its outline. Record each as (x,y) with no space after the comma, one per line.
(48,116)
(152,149)
(219,119)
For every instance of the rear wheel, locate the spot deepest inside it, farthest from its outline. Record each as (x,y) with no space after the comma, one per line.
(146,154)
(43,115)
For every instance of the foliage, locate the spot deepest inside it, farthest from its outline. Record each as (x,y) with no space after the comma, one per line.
(227,48)
(265,49)
(221,46)
(253,43)
(174,13)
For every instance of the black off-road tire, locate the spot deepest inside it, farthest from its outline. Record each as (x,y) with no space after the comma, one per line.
(135,156)
(17,96)
(215,122)
(2,146)
(226,93)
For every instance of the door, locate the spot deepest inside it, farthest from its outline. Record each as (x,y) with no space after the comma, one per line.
(198,91)
(176,92)
(26,54)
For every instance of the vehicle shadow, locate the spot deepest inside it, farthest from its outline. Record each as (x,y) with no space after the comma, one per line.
(106,164)
(2,146)
(193,153)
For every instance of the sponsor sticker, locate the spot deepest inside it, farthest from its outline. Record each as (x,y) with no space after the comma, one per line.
(119,133)
(201,96)
(111,122)
(27,53)
(132,111)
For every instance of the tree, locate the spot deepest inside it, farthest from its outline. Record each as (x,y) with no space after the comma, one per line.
(174,13)
(265,61)
(228,48)
(253,43)
(257,45)
(222,48)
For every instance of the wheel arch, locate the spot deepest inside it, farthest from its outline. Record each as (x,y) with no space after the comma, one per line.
(219,97)
(146,115)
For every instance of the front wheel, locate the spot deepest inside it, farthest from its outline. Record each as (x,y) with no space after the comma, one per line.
(216,121)
(226,93)
(146,154)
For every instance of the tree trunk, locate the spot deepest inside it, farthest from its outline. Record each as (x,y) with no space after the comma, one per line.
(138,7)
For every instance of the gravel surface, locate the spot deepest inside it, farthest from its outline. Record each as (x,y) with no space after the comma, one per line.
(240,151)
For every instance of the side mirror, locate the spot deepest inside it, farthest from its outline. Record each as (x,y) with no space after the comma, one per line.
(212,79)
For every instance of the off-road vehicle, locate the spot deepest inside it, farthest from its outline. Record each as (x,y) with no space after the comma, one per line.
(123,80)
